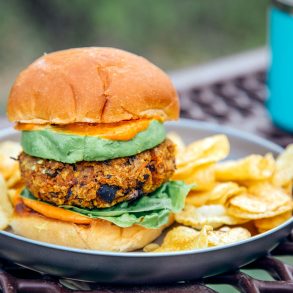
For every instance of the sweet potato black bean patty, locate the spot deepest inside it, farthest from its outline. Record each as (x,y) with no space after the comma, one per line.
(98,184)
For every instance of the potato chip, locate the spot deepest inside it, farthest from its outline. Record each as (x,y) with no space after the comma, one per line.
(253,167)
(179,238)
(261,198)
(212,215)
(263,188)
(223,191)
(219,194)
(227,235)
(237,212)
(151,247)
(14,178)
(202,237)
(8,150)
(184,238)
(12,195)
(202,177)
(208,150)
(248,183)
(197,199)
(284,168)
(177,140)
(5,203)
(288,188)
(4,220)
(266,224)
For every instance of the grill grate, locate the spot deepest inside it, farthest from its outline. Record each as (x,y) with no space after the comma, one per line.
(239,102)
(14,278)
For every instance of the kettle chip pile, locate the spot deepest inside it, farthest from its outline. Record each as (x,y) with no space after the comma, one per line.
(231,200)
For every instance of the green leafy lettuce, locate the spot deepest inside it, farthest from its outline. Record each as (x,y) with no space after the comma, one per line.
(150,211)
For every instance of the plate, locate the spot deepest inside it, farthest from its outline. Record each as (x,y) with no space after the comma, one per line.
(150,268)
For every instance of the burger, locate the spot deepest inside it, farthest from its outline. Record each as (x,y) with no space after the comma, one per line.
(96,163)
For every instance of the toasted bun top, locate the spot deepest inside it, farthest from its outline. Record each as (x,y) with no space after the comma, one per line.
(95,85)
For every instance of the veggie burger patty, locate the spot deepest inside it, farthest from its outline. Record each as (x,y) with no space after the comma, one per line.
(98,184)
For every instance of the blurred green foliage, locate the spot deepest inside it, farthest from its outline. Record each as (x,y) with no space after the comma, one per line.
(171,33)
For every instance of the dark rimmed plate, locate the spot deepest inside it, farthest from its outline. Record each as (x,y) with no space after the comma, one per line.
(142,268)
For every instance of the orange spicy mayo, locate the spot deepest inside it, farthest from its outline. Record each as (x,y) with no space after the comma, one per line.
(124,130)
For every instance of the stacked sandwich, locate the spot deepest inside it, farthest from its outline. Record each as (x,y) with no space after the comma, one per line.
(96,163)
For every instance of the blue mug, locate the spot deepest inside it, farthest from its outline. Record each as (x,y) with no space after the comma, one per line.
(280,77)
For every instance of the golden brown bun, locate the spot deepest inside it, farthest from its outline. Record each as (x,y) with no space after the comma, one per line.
(95,85)
(100,235)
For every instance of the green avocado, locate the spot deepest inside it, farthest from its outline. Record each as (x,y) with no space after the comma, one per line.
(67,148)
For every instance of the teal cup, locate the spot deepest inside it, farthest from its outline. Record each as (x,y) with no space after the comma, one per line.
(280,75)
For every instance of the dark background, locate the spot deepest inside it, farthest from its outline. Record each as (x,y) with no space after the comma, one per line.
(171,33)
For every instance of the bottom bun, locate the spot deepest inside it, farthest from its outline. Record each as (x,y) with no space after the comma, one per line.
(99,235)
